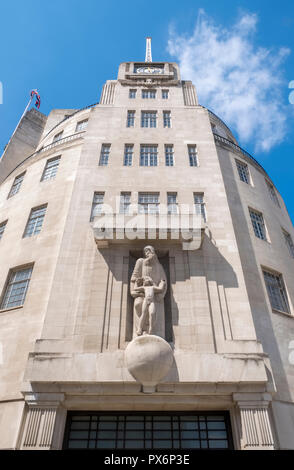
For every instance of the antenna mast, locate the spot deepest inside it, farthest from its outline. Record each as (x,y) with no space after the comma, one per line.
(148,57)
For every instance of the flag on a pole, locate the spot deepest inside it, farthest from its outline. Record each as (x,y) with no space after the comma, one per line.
(38,99)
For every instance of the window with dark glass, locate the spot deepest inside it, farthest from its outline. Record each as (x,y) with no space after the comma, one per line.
(164,94)
(57,136)
(276,291)
(16,185)
(82,125)
(104,155)
(51,168)
(243,171)
(272,193)
(192,151)
(35,221)
(128,155)
(16,287)
(2,228)
(166,119)
(148,203)
(199,205)
(169,155)
(148,155)
(148,94)
(148,118)
(131,119)
(97,205)
(132,93)
(172,204)
(289,242)
(125,201)
(258,224)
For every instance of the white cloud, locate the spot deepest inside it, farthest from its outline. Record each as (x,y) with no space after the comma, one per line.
(239,81)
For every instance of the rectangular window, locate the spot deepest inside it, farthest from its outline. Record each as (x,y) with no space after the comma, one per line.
(35,221)
(148,155)
(2,228)
(131,119)
(82,125)
(16,287)
(132,93)
(51,168)
(172,204)
(164,94)
(148,93)
(125,201)
(148,203)
(199,205)
(243,171)
(169,155)
(57,136)
(104,155)
(289,242)
(148,118)
(192,151)
(272,193)
(16,185)
(128,155)
(166,119)
(258,224)
(276,291)
(97,205)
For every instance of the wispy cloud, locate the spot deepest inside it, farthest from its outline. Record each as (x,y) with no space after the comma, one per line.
(235,78)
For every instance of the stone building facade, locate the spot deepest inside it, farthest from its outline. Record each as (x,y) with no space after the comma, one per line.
(67,313)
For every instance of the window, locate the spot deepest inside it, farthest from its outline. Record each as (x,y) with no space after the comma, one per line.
(35,221)
(50,169)
(276,291)
(16,287)
(125,201)
(82,125)
(258,224)
(172,204)
(57,136)
(199,205)
(104,155)
(128,155)
(289,242)
(16,185)
(272,193)
(243,171)
(192,151)
(148,155)
(96,205)
(131,119)
(166,119)
(151,430)
(148,203)
(148,93)
(148,119)
(132,93)
(169,155)
(2,228)
(164,94)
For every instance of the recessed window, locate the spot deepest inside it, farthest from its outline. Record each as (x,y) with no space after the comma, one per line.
(199,205)
(172,203)
(148,94)
(243,171)
(148,155)
(148,203)
(169,155)
(51,168)
(16,287)
(82,125)
(164,94)
(57,137)
(131,119)
(258,224)
(16,185)
(125,201)
(276,291)
(35,221)
(289,242)
(192,152)
(132,93)
(166,119)
(148,118)
(96,205)
(272,193)
(128,155)
(104,155)
(2,228)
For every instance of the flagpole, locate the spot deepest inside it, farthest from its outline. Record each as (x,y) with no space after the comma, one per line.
(23,114)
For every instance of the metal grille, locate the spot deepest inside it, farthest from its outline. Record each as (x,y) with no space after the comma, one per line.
(164,94)
(148,119)
(131,119)
(148,203)
(2,228)
(276,291)
(16,185)
(192,151)
(51,168)
(148,155)
(172,205)
(199,205)
(132,93)
(288,240)
(35,221)
(169,155)
(57,136)
(125,201)
(128,156)
(104,155)
(148,93)
(16,288)
(272,193)
(93,430)
(243,171)
(166,119)
(258,224)
(97,205)
(82,125)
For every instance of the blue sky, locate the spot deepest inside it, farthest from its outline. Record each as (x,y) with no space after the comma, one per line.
(68,49)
